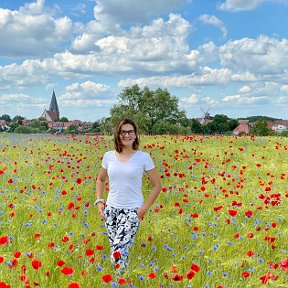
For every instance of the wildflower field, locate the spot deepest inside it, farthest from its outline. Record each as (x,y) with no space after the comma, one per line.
(220,219)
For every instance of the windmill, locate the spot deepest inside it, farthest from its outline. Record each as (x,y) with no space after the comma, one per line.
(206,114)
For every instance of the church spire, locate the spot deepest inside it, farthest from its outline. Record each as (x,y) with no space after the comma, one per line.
(54,105)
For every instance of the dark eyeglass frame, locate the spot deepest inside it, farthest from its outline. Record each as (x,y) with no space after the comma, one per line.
(129,132)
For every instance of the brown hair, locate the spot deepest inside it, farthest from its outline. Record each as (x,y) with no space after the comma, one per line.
(117,141)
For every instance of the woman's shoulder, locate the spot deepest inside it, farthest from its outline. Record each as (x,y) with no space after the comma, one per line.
(109,154)
(143,153)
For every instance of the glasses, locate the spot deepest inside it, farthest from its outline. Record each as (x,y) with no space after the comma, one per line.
(129,132)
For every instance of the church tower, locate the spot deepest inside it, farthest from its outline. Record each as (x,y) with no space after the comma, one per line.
(53,113)
(54,105)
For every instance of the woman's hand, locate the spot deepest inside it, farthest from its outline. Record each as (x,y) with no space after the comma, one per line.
(141,212)
(101,207)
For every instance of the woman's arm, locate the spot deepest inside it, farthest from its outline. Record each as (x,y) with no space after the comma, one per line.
(100,183)
(155,180)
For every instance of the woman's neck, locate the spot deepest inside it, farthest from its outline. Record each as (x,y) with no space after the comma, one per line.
(127,150)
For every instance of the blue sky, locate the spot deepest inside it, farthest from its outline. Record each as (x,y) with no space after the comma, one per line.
(229,56)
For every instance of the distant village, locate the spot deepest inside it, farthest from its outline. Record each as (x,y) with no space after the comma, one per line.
(52,115)
(244,127)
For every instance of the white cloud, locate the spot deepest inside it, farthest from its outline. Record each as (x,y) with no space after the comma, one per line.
(127,11)
(246,5)
(214,21)
(32,31)
(196,100)
(207,76)
(239,5)
(86,94)
(263,55)
(193,99)
(22,104)
(284,88)
(33,8)
(238,99)
(245,89)
(283,100)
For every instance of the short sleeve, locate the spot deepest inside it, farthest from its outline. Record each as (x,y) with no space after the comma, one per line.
(105,161)
(148,162)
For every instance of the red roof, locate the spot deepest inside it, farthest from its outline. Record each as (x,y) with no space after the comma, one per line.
(242,128)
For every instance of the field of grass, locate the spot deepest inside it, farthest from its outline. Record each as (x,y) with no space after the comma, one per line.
(220,220)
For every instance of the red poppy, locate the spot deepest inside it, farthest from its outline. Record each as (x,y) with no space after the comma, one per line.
(60,263)
(70,206)
(264,279)
(17,254)
(122,281)
(99,247)
(250,253)
(107,278)
(3,240)
(190,274)
(195,268)
(152,275)
(67,270)
(177,277)
(74,285)
(116,255)
(4,285)
(89,252)
(51,245)
(78,180)
(37,235)
(64,192)
(246,274)
(284,264)
(250,235)
(36,264)
(249,213)
(232,213)
(65,238)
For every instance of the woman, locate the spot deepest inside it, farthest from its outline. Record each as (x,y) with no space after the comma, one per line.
(125,205)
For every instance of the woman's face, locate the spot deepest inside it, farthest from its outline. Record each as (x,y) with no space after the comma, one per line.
(127,135)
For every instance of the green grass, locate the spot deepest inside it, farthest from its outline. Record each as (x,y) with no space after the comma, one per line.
(41,176)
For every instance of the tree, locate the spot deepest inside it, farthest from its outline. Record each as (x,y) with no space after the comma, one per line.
(14,125)
(26,130)
(260,128)
(196,127)
(6,118)
(18,118)
(72,129)
(221,124)
(147,107)
(63,119)
(41,125)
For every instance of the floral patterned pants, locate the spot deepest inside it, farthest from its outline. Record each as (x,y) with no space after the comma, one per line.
(122,226)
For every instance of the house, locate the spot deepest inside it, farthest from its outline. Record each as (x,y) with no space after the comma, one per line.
(204,121)
(25,122)
(60,126)
(278,126)
(85,126)
(4,125)
(243,128)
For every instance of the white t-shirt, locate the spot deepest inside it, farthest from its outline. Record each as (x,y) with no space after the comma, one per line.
(125,179)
